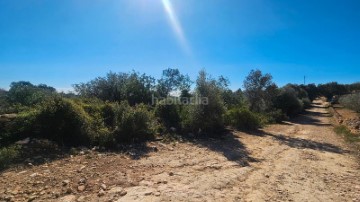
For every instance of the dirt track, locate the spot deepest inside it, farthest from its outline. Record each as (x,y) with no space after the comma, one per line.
(301,160)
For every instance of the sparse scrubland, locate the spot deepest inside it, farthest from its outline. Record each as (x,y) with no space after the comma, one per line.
(82,146)
(132,107)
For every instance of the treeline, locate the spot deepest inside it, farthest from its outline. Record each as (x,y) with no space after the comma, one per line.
(123,107)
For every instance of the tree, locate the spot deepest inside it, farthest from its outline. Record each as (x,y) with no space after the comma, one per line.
(233,98)
(133,87)
(3,101)
(333,88)
(25,93)
(173,80)
(288,101)
(260,90)
(311,90)
(207,115)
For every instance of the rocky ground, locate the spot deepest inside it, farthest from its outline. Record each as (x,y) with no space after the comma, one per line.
(347,117)
(300,160)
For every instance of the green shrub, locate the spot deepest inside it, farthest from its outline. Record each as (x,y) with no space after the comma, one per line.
(108,111)
(206,115)
(306,103)
(351,101)
(8,155)
(275,116)
(169,114)
(65,122)
(346,133)
(20,127)
(133,123)
(288,102)
(242,118)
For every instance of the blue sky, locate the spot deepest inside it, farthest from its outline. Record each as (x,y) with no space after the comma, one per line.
(60,43)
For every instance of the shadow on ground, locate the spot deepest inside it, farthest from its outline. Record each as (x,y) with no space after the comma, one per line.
(300,143)
(42,151)
(228,145)
(309,118)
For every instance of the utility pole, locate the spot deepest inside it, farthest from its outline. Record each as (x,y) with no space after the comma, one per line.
(304,80)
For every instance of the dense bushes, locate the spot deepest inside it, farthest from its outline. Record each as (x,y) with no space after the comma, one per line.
(288,102)
(27,94)
(275,116)
(168,113)
(260,91)
(242,118)
(333,88)
(133,123)
(7,155)
(117,108)
(65,121)
(75,122)
(206,115)
(132,87)
(351,101)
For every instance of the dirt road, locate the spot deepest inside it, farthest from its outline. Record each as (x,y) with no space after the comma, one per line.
(301,160)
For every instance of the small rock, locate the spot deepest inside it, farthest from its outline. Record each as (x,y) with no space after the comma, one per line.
(69,190)
(23,142)
(68,198)
(267,175)
(81,199)
(81,188)
(101,193)
(115,190)
(56,194)
(31,198)
(65,182)
(82,181)
(171,173)
(148,193)
(34,174)
(123,192)
(81,168)
(22,172)
(157,194)
(103,186)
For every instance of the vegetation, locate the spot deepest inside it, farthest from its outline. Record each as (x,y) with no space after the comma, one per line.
(351,101)
(127,107)
(346,133)
(132,87)
(259,90)
(7,155)
(206,115)
(243,118)
(289,102)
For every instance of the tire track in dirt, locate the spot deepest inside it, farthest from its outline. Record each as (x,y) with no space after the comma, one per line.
(307,162)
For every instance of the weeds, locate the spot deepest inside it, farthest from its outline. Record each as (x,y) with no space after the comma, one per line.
(8,155)
(346,133)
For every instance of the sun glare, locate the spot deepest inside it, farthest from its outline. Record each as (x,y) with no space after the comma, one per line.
(176,26)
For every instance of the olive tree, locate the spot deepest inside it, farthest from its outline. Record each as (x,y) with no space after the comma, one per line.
(260,91)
